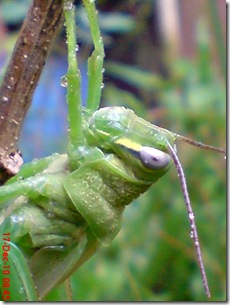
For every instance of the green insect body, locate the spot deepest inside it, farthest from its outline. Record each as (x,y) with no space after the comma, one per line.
(60,209)
(61,206)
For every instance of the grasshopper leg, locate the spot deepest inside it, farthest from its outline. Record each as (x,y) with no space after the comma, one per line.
(95,62)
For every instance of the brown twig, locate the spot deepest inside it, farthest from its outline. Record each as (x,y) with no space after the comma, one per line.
(34,42)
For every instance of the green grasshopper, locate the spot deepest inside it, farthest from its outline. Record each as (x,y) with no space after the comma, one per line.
(58,210)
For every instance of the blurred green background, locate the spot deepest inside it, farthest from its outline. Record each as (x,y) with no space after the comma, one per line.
(168,64)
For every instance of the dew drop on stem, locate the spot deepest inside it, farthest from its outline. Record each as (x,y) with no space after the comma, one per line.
(5,99)
(64,82)
(68,5)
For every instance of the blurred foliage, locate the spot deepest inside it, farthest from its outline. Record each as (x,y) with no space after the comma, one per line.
(12,14)
(153,257)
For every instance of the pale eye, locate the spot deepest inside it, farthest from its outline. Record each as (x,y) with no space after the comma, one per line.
(153,158)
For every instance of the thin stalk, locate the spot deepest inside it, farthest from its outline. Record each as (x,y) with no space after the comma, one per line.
(32,47)
(68,290)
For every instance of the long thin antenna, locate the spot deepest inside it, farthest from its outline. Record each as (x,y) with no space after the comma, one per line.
(200,144)
(191,217)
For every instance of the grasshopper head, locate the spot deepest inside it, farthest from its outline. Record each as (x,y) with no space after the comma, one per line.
(143,147)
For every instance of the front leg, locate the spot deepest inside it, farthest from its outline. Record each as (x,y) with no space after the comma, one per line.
(95,62)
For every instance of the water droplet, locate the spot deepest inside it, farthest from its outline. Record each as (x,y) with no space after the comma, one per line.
(64,82)
(102,85)
(35,10)
(191,216)
(72,54)
(50,215)
(68,5)
(25,56)
(191,234)
(103,70)
(5,99)
(34,160)
(77,48)
(9,87)
(197,243)
(21,290)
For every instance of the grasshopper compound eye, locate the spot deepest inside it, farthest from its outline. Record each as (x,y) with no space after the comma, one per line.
(153,158)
